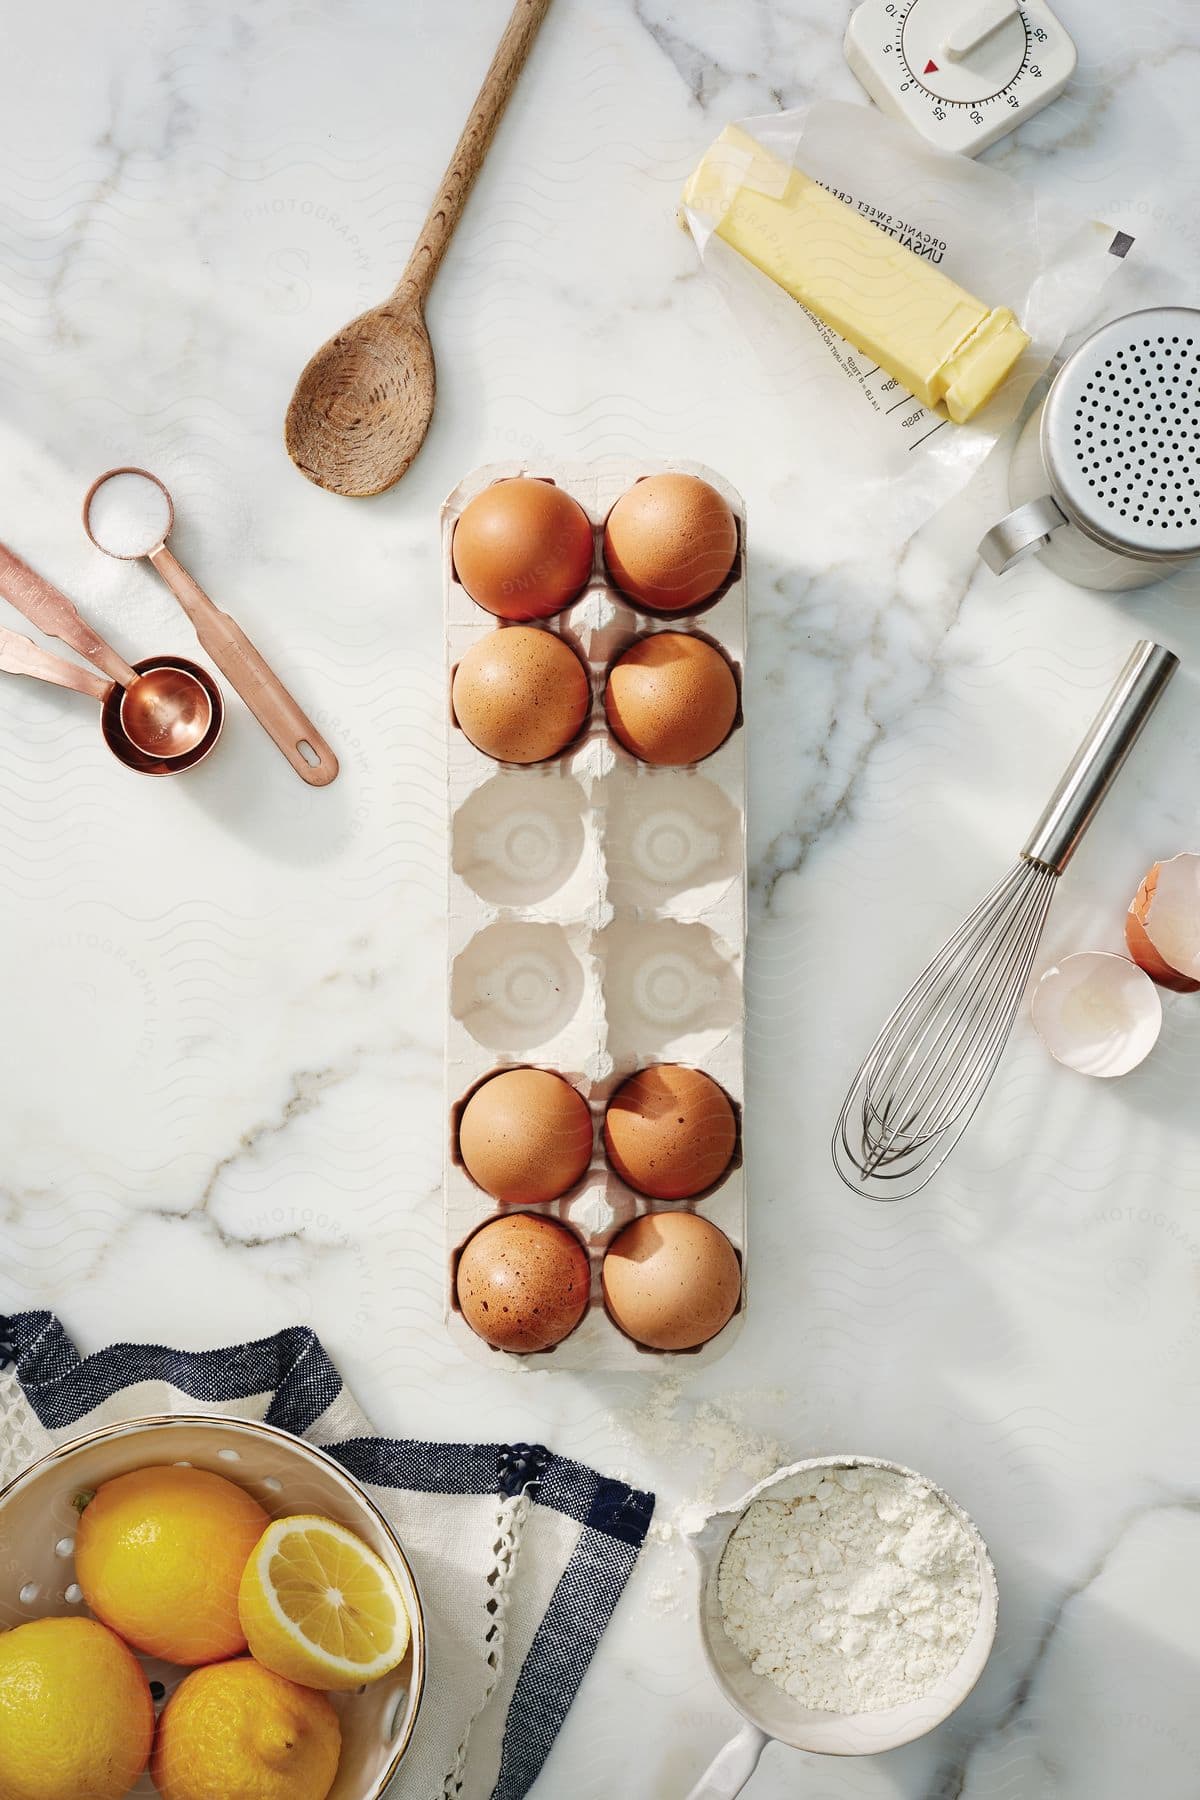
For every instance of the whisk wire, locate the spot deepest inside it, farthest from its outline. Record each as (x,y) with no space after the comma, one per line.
(1000,969)
(927,1070)
(971,1060)
(926,1002)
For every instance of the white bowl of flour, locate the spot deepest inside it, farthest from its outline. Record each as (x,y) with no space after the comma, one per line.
(848,1606)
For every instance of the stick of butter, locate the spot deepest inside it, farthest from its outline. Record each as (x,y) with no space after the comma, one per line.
(893,306)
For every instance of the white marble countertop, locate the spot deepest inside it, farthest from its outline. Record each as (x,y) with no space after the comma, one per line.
(221,1046)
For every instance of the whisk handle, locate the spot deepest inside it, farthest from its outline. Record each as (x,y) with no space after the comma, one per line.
(1093,769)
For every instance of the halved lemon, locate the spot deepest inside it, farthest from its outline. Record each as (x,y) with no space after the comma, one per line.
(319,1607)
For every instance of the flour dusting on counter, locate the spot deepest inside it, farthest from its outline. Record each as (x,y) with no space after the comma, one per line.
(719,1445)
(716,1433)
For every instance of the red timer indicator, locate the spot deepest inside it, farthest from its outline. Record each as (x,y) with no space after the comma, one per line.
(961,72)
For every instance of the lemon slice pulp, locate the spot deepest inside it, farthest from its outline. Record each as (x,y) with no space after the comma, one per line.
(320,1607)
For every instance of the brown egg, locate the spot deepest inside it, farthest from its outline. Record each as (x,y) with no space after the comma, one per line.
(523,1282)
(670,542)
(670,1132)
(523,548)
(525,1136)
(671,698)
(521,694)
(671,1280)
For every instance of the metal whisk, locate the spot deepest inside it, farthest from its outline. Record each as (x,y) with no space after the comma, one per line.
(929,1068)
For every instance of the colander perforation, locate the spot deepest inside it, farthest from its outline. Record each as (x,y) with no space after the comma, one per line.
(1121,433)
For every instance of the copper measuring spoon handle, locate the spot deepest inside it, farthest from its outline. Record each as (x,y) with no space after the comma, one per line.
(21,656)
(51,611)
(250,675)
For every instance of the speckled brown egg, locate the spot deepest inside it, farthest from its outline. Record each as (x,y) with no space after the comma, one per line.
(523,548)
(521,694)
(670,542)
(525,1136)
(670,1132)
(523,1282)
(671,1280)
(671,698)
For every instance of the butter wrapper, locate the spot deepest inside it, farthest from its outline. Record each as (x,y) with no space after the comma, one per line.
(925,274)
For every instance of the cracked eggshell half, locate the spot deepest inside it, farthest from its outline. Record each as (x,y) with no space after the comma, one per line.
(1097,1013)
(1162,926)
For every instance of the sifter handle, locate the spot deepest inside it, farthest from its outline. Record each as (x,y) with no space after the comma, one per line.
(1021,533)
(1095,765)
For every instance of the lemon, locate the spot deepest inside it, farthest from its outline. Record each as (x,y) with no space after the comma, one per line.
(234,1731)
(159,1554)
(319,1606)
(76,1717)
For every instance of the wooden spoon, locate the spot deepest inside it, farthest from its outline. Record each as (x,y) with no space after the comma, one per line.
(363,404)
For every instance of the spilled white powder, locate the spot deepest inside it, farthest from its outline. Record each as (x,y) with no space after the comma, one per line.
(855,1595)
(714,1438)
(715,1447)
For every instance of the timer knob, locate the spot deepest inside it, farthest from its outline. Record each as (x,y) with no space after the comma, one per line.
(964,52)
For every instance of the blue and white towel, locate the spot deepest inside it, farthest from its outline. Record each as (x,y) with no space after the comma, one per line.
(549,1540)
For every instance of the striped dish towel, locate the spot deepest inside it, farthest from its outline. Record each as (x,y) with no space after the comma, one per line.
(520,1556)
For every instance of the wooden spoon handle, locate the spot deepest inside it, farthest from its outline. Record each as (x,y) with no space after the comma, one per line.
(250,674)
(21,656)
(51,611)
(472,147)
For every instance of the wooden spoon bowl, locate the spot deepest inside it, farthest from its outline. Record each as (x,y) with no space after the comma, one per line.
(363,404)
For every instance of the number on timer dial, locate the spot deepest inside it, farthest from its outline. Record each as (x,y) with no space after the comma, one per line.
(961,72)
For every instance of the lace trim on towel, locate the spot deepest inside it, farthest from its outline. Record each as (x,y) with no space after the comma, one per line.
(18,1446)
(511,1514)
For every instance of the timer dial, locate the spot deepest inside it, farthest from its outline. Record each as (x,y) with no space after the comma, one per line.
(961,72)
(964,56)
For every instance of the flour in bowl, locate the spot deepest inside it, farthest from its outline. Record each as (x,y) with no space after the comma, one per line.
(857,1593)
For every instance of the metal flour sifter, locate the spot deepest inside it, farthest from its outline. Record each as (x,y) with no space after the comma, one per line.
(1104,480)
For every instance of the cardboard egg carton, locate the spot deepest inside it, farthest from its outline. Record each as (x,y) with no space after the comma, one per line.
(597,913)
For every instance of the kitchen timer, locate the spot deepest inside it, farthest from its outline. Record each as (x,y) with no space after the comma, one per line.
(961,72)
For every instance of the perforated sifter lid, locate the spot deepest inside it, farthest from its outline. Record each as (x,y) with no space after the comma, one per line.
(1121,434)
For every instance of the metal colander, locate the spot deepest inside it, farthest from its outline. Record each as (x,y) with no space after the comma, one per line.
(1120,434)
(38,1518)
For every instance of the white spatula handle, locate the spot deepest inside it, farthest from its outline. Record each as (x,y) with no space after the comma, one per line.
(732,1767)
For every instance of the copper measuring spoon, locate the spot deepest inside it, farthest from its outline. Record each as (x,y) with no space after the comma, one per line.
(149,516)
(363,402)
(21,656)
(165,712)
